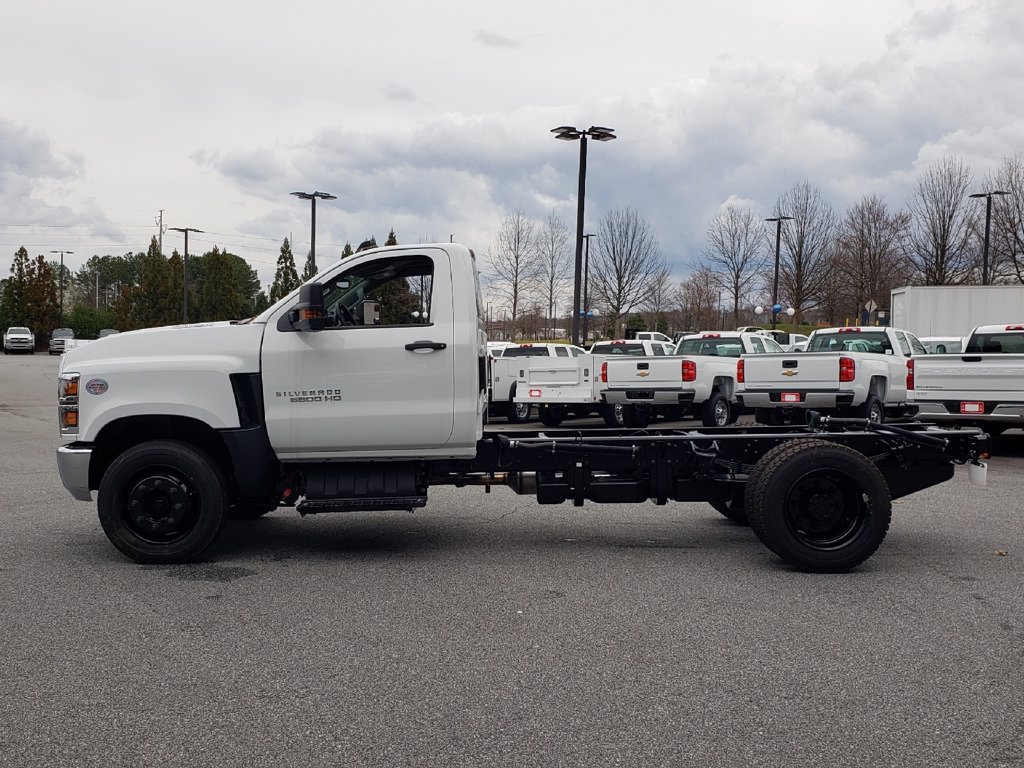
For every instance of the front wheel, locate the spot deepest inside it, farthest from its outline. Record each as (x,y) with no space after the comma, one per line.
(822,507)
(163,501)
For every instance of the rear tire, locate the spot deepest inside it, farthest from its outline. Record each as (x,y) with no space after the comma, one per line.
(612,414)
(551,415)
(717,411)
(163,501)
(822,507)
(872,410)
(636,416)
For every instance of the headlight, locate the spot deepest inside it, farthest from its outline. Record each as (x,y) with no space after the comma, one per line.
(67,399)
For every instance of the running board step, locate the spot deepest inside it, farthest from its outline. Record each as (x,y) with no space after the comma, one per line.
(319,506)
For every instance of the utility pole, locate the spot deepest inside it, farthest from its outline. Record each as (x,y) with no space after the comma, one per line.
(60,323)
(184,274)
(160,224)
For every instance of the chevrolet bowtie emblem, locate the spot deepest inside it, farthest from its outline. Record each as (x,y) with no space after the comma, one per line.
(789,373)
(643,373)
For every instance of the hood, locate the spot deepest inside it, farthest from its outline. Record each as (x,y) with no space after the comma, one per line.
(226,346)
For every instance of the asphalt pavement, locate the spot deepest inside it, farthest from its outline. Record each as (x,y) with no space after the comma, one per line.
(486,630)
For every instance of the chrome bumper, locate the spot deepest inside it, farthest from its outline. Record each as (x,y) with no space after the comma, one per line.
(73,465)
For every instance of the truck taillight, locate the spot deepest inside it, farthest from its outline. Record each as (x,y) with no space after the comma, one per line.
(910,374)
(847,369)
(739,371)
(689,370)
(604,372)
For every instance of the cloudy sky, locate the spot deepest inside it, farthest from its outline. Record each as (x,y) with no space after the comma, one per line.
(434,118)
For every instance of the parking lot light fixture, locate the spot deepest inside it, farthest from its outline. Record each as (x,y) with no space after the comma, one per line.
(572,133)
(312,197)
(988,221)
(776,307)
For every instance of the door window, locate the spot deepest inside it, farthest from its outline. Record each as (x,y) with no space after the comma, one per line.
(386,292)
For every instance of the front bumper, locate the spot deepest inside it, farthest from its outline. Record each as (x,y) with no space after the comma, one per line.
(73,466)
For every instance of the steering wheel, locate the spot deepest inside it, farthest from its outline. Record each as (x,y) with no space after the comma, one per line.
(345,314)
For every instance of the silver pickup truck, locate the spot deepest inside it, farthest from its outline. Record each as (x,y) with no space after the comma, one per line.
(981,386)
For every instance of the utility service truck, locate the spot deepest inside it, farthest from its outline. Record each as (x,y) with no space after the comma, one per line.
(506,365)
(319,405)
(862,372)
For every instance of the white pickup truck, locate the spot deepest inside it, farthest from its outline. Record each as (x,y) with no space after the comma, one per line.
(505,365)
(699,378)
(317,405)
(862,372)
(19,339)
(981,386)
(560,388)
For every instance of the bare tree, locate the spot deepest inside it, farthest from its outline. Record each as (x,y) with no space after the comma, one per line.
(554,262)
(735,252)
(697,298)
(658,301)
(1006,239)
(621,267)
(941,244)
(513,260)
(808,243)
(869,259)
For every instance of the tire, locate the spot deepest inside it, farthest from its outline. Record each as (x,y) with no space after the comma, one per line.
(821,507)
(768,416)
(872,410)
(674,413)
(612,414)
(636,416)
(551,415)
(716,411)
(182,496)
(736,513)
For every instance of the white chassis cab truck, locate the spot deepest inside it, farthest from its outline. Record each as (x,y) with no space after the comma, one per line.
(699,378)
(319,405)
(861,372)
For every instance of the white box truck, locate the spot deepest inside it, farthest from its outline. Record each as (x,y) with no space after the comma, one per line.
(953,310)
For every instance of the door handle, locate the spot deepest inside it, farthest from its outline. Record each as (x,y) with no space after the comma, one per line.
(425,346)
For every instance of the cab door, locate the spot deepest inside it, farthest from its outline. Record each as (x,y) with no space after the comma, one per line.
(379,379)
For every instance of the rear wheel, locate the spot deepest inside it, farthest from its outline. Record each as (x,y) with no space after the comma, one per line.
(612,414)
(163,502)
(716,411)
(636,416)
(821,507)
(872,410)
(552,415)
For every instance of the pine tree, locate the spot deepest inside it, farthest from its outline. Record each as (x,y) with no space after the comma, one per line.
(154,304)
(309,270)
(286,279)
(347,251)
(220,297)
(42,310)
(392,240)
(14,289)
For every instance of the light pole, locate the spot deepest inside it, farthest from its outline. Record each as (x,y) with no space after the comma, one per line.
(586,289)
(184,271)
(988,221)
(776,307)
(312,196)
(571,133)
(60,322)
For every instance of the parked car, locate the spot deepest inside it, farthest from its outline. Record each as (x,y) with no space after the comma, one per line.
(107,332)
(61,340)
(18,338)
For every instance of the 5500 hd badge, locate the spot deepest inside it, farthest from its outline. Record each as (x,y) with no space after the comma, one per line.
(311,395)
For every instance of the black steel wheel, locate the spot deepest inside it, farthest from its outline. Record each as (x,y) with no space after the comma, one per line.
(716,411)
(551,415)
(163,502)
(820,506)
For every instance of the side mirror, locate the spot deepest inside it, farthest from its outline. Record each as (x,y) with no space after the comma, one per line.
(308,314)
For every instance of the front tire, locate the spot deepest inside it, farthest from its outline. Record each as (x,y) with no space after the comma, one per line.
(822,507)
(552,415)
(163,501)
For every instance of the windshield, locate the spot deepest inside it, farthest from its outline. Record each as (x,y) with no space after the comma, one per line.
(18,330)
(851,341)
(63,333)
(525,352)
